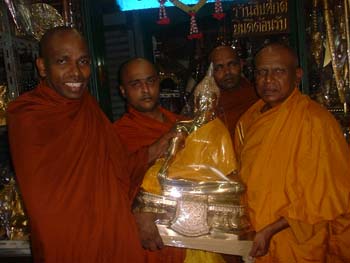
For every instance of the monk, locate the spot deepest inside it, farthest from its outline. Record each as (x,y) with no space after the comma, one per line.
(143,125)
(294,161)
(71,168)
(237,94)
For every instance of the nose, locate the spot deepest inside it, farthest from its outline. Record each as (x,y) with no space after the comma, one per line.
(75,70)
(226,70)
(144,87)
(269,76)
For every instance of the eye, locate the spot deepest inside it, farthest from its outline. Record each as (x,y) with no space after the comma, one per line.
(135,84)
(151,80)
(84,61)
(279,71)
(61,61)
(233,64)
(218,67)
(261,72)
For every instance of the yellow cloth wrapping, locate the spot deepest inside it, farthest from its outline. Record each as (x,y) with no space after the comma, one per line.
(207,151)
(294,161)
(196,256)
(150,182)
(208,147)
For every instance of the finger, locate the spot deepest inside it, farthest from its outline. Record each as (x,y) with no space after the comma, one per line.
(159,242)
(152,246)
(253,250)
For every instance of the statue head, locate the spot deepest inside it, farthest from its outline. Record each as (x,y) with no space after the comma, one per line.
(206,97)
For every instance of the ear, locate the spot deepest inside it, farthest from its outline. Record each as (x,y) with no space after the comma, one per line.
(40,64)
(299,74)
(122,90)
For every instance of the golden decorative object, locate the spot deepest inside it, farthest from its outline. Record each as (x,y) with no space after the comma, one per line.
(3,104)
(330,38)
(44,17)
(12,216)
(189,9)
(316,37)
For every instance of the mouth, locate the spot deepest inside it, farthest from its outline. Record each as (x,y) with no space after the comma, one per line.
(147,99)
(75,86)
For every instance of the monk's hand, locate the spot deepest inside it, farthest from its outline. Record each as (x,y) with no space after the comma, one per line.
(262,238)
(160,147)
(148,231)
(261,243)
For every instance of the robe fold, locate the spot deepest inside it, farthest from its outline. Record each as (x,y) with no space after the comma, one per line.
(234,102)
(294,161)
(138,131)
(74,179)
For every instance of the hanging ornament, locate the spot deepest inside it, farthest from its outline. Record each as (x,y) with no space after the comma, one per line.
(194,33)
(191,11)
(163,19)
(219,13)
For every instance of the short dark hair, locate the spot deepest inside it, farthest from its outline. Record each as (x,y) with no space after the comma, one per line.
(45,39)
(220,47)
(125,64)
(288,48)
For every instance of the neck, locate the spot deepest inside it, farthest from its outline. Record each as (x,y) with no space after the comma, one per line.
(265,108)
(155,114)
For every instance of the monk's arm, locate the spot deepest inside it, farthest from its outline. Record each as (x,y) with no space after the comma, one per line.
(160,147)
(262,238)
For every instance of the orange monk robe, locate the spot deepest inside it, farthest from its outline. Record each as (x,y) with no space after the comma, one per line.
(74,180)
(234,102)
(138,131)
(294,161)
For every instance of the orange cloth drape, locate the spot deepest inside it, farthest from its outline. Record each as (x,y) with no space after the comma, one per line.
(137,131)
(74,179)
(234,102)
(294,161)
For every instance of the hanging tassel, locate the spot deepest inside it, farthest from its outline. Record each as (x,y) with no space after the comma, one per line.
(163,19)
(219,13)
(194,33)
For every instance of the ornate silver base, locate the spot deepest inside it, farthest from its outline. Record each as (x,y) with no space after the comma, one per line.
(195,215)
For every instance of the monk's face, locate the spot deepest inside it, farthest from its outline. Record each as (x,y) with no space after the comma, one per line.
(140,85)
(226,67)
(276,74)
(66,65)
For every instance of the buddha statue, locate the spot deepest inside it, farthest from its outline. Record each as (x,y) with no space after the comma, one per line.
(198,173)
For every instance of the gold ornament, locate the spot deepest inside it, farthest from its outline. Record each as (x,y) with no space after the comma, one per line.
(3,104)
(189,9)
(330,38)
(316,37)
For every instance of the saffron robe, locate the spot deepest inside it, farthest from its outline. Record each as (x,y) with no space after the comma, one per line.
(234,102)
(138,131)
(294,161)
(74,179)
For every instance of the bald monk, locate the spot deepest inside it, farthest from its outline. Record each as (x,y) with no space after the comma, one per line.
(70,165)
(294,162)
(237,94)
(143,125)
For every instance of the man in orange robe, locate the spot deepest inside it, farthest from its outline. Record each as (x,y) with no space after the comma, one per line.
(70,165)
(143,125)
(236,93)
(294,161)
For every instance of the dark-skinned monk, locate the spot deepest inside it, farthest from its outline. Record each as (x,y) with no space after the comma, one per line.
(236,92)
(294,161)
(71,168)
(144,123)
